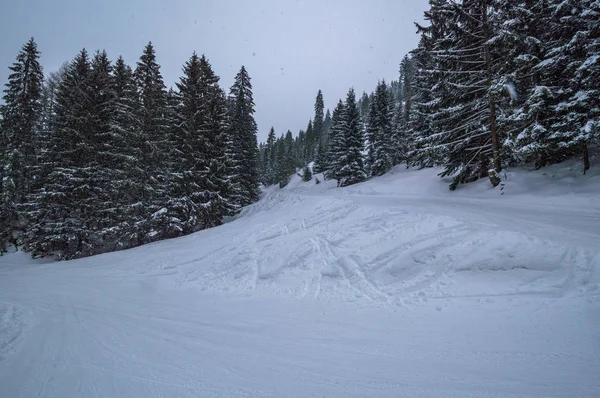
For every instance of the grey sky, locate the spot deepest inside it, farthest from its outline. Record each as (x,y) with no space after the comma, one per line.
(290,48)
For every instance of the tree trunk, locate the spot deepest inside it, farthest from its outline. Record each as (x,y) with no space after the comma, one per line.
(491,103)
(586,157)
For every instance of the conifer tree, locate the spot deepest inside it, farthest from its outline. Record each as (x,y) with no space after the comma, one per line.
(262,163)
(282,163)
(517,51)
(321,157)
(291,162)
(402,111)
(218,195)
(379,132)
(299,148)
(588,76)
(127,184)
(573,55)
(428,77)
(64,201)
(6,215)
(156,145)
(352,167)
(318,130)
(98,169)
(309,148)
(20,124)
(48,106)
(463,112)
(306,174)
(551,46)
(320,133)
(201,193)
(189,144)
(327,123)
(337,142)
(243,135)
(318,120)
(364,103)
(269,156)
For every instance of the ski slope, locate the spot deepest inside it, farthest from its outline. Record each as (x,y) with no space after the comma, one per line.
(395,287)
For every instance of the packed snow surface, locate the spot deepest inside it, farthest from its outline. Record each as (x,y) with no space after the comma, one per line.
(395,287)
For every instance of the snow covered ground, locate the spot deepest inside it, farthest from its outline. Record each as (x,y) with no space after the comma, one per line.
(395,287)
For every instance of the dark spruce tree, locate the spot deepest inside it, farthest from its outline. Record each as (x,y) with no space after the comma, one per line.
(127,184)
(380,132)
(186,199)
(269,159)
(322,157)
(402,112)
(306,174)
(299,147)
(103,222)
(285,158)
(427,77)
(549,56)
(464,111)
(572,57)
(65,199)
(48,116)
(320,140)
(282,162)
(291,161)
(321,135)
(309,143)
(589,76)
(218,190)
(243,134)
(49,90)
(156,148)
(318,120)
(20,125)
(504,82)
(327,123)
(320,164)
(352,167)
(523,50)
(200,189)
(337,142)
(364,105)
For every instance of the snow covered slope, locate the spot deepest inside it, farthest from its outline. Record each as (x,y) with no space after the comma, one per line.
(394,287)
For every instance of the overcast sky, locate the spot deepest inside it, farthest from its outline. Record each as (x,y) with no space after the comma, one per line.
(291,48)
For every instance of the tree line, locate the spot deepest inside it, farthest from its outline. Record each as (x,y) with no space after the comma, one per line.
(492,83)
(100,156)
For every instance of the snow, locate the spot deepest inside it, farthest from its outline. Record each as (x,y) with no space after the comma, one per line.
(512,91)
(589,63)
(588,127)
(393,287)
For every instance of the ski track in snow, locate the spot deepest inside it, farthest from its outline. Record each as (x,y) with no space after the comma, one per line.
(385,254)
(386,288)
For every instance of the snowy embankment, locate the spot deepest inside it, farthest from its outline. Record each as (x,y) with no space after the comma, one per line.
(393,287)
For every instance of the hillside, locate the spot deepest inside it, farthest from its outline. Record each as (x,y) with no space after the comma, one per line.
(392,287)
